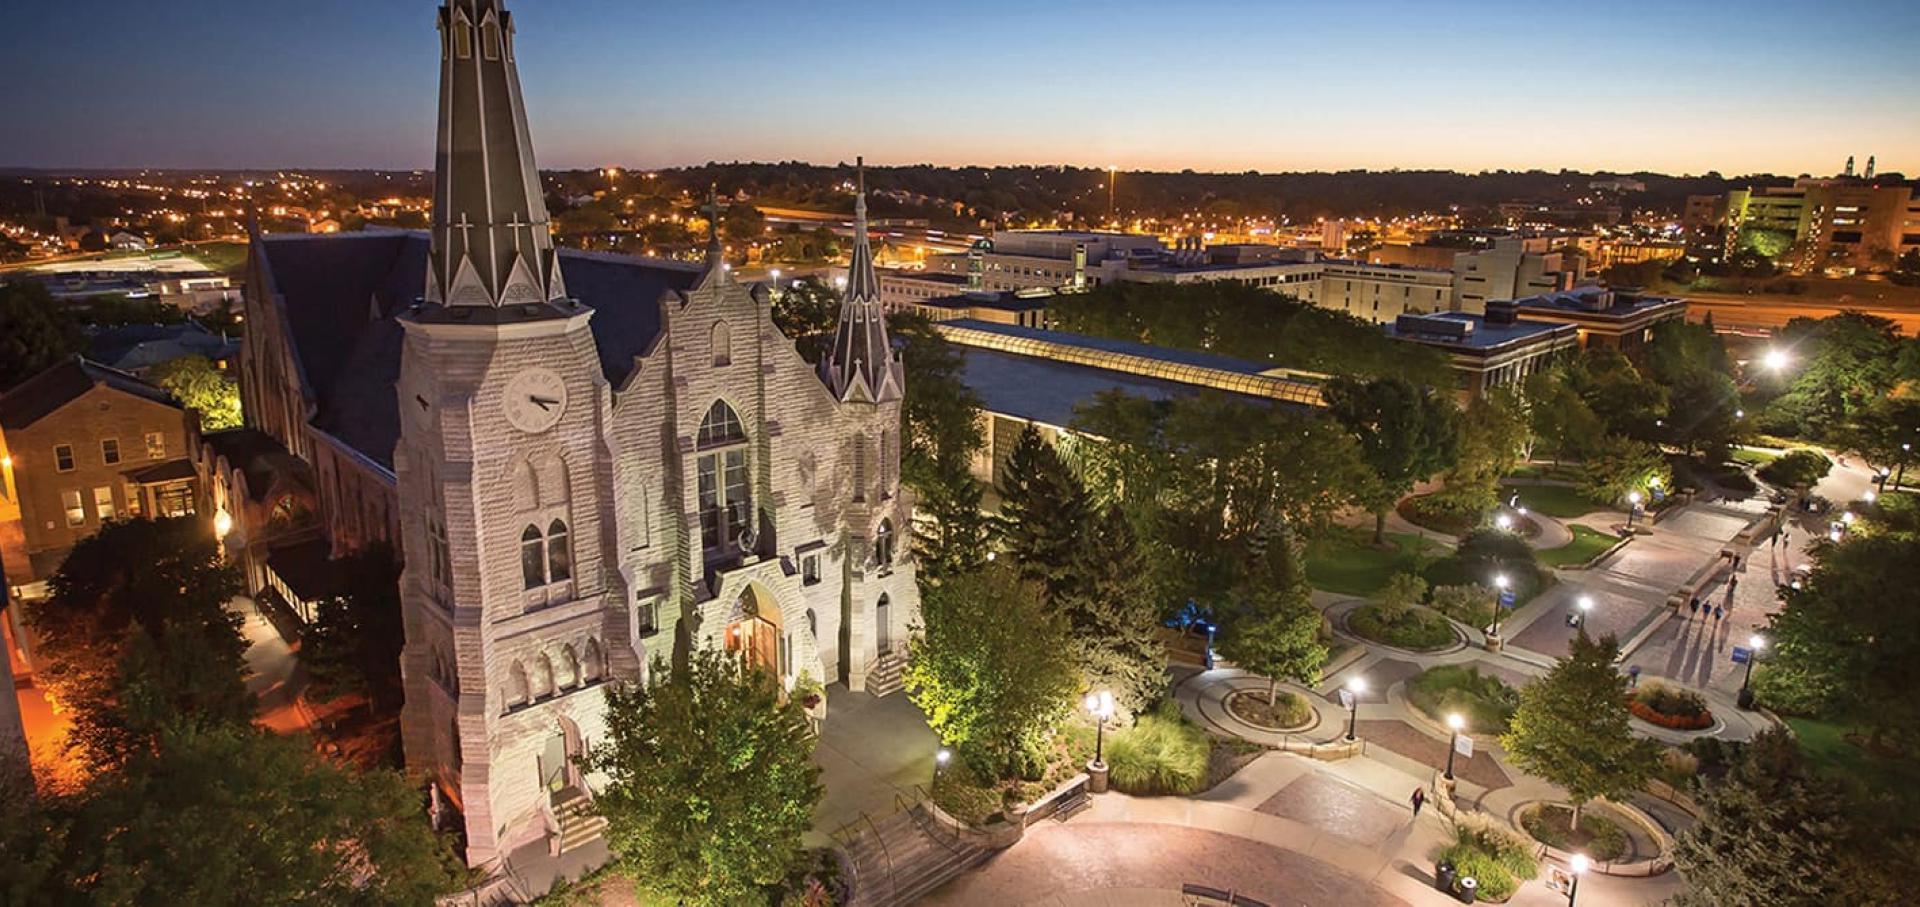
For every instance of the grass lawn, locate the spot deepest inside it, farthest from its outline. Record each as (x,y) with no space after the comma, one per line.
(1346,562)
(1484,700)
(1827,747)
(1563,471)
(1586,545)
(1753,456)
(1554,500)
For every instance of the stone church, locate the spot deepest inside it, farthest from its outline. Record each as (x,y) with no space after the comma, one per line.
(586,459)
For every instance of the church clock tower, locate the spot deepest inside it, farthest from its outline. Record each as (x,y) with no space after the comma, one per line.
(504,410)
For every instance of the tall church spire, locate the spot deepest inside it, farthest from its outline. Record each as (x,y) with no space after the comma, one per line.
(491,245)
(862,365)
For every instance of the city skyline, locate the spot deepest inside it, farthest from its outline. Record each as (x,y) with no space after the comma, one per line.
(1269,88)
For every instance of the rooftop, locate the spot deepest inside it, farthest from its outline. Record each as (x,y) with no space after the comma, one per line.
(1048,391)
(43,394)
(1478,334)
(1599,300)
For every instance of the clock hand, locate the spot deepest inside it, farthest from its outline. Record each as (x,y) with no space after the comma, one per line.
(545,403)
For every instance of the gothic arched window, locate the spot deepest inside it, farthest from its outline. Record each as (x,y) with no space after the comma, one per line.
(533,558)
(490,39)
(569,669)
(722,338)
(559,556)
(519,690)
(883,544)
(591,662)
(725,504)
(542,676)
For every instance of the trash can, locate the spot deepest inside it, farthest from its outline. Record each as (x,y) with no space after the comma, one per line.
(1444,875)
(1469,890)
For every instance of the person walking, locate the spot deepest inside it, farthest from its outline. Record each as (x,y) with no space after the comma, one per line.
(1718,614)
(1418,799)
(1693,606)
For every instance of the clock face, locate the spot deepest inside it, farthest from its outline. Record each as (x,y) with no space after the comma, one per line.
(535,399)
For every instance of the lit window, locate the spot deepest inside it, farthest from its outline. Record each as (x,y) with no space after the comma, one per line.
(110,450)
(156,446)
(724,502)
(103,503)
(63,458)
(76,511)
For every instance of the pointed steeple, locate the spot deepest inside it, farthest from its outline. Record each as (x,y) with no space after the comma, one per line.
(862,365)
(716,250)
(491,245)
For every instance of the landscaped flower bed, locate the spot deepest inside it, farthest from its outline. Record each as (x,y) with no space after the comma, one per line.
(1670,707)
(1485,701)
(1288,711)
(1491,855)
(1417,629)
(1598,837)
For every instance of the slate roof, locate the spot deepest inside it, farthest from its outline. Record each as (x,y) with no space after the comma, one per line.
(39,396)
(344,290)
(139,346)
(256,454)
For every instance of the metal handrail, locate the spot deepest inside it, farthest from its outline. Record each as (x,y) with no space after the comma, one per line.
(893,882)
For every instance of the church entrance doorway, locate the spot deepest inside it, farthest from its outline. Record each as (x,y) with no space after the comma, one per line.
(883,625)
(757,635)
(558,758)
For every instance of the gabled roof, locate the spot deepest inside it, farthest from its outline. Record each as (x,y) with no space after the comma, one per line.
(256,455)
(137,346)
(39,396)
(342,292)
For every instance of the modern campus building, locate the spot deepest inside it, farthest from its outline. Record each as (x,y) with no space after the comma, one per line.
(587,460)
(1488,351)
(1828,222)
(1602,316)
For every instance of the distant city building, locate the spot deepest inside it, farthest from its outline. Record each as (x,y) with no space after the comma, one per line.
(1602,316)
(85,444)
(1515,266)
(1488,351)
(137,348)
(1828,222)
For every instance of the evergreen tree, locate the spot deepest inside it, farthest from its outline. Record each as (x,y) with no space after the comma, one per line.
(1274,630)
(951,532)
(1572,727)
(1045,515)
(710,780)
(1114,618)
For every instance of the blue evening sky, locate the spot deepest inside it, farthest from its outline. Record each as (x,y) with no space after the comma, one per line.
(1690,86)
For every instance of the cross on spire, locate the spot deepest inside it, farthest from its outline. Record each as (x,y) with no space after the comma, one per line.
(714,209)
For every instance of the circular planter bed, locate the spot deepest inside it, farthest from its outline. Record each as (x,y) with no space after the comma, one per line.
(1418,511)
(1290,711)
(1670,707)
(1485,701)
(1599,837)
(1417,630)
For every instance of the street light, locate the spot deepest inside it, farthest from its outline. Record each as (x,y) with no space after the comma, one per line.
(1355,686)
(1755,643)
(1101,705)
(1633,499)
(1455,722)
(941,757)
(1500,582)
(1775,360)
(1578,863)
(1504,522)
(1585,604)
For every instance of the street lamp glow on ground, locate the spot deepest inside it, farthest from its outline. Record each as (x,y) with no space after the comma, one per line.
(1355,686)
(1456,723)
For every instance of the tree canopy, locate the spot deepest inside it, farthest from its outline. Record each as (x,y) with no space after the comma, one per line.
(1493,435)
(1841,364)
(1405,435)
(710,780)
(1572,727)
(197,384)
(35,332)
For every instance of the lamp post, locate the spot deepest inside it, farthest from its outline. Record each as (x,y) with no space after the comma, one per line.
(1500,583)
(1100,704)
(941,757)
(1355,686)
(1585,608)
(1633,509)
(1755,643)
(1578,863)
(1504,522)
(1905,449)
(1454,722)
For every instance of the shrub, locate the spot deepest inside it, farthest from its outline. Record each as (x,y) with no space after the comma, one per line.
(1162,754)
(1289,709)
(1670,707)
(1493,545)
(1403,591)
(1418,629)
(1678,768)
(1485,701)
(1496,858)
(1797,468)
(1468,603)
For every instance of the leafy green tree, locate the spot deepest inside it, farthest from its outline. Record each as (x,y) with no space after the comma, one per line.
(1468,603)
(807,312)
(1558,416)
(1572,727)
(1841,365)
(354,643)
(1493,434)
(199,818)
(1275,631)
(1847,643)
(135,634)
(1627,402)
(1877,431)
(1771,831)
(1768,244)
(940,417)
(196,383)
(1619,466)
(1405,435)
(35,332)
(991,670)
(710,780)
(1045,516)
(1403,591)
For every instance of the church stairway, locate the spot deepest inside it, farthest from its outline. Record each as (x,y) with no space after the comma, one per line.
(578,824)
(884,679)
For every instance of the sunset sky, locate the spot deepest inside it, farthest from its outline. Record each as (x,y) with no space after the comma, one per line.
(1677,87)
